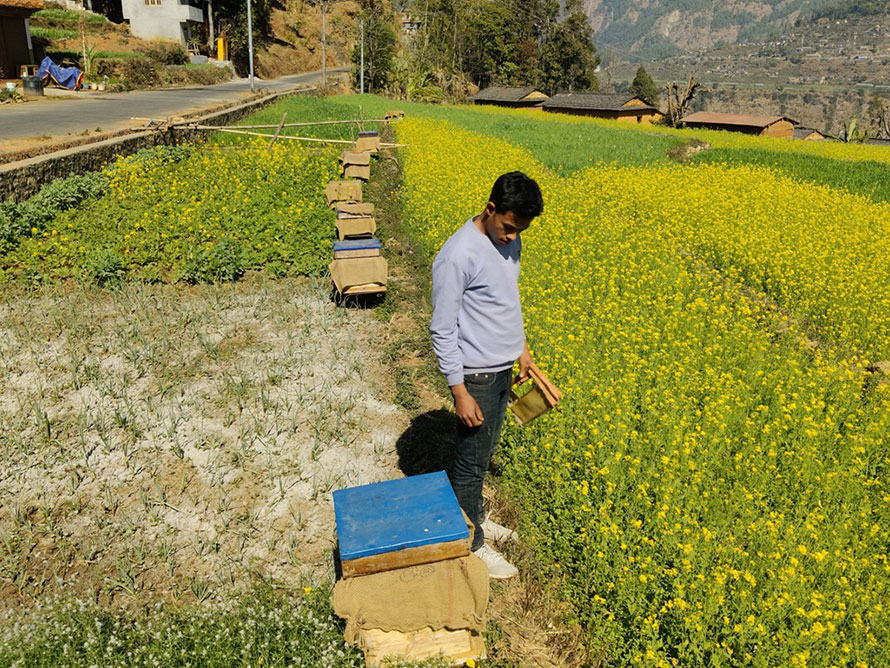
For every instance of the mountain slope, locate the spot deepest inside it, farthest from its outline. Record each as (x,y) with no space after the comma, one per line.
(654,28)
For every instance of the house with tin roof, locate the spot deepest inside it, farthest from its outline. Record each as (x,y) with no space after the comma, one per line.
(16,49)
(768,126)
(510,96)
(602,105)
(808,134)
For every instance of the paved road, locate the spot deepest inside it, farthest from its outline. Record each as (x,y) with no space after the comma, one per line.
(87,111)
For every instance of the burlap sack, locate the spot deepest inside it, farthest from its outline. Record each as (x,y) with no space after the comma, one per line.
(451,594)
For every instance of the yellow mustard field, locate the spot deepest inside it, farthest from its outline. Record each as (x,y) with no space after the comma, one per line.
(712,491)
(810,248)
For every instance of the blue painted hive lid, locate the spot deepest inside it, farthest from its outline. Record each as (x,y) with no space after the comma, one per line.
(356,244)
(396,515)
(368,133)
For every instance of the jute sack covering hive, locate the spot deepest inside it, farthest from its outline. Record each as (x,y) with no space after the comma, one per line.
(450,594)
(355,227)
(367,141)
(337,192)
(354,209)
(357,276)
(355,165)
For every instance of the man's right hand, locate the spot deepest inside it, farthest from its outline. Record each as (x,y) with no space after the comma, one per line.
(468,411)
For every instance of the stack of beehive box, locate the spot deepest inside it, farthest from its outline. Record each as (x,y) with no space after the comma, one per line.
(410,589)
(356,271)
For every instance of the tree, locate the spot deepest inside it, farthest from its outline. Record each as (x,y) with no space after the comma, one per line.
(879,115)
(568,56)
(231,16)
(380,46)
(644,88)
(679,98)
(852,134)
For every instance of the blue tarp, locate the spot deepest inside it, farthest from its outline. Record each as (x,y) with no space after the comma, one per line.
(66,77)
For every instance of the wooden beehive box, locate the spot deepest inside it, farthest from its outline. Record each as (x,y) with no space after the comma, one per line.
(355,165)
(354,209)
(358,227)
(338,192)
(541,397)
(398,523)
(359,275)
(355,248)
(367,141)
(458,646)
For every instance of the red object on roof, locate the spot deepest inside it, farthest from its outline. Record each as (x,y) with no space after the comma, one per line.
(24,4)
(715,118)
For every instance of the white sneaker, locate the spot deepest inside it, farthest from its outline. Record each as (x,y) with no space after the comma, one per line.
(494,531)
(498,567)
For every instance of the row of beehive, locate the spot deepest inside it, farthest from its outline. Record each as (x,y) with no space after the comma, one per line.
(357,267)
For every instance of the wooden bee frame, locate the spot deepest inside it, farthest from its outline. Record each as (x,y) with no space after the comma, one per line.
(542,397)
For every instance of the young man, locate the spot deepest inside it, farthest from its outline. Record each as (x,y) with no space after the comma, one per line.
(478,334)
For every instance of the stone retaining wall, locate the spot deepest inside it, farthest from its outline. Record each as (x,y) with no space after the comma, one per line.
(23,179)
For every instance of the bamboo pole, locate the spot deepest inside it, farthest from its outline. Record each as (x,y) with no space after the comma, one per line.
(293,125)
(267,136)
(277,131)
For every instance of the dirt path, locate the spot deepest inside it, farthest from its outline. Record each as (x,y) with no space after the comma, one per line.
(168,441)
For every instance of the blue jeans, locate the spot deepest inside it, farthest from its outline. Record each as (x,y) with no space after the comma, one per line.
(475,445)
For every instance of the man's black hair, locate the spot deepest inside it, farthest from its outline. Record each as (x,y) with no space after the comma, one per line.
(516,192)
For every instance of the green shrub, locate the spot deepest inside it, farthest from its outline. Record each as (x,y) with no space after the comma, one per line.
(222,261)
(165,53)
(158,156)
(140,72)
(32,215)
(120,54)
(106,267)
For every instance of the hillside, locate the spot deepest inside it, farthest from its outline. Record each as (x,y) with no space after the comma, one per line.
(295,44)
(656,28)
(820,71)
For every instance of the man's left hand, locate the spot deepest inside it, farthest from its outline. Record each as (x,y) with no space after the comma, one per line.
(525,362)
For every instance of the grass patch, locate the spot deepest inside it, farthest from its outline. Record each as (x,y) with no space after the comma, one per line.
(120,54)
(301,109)
(867,178)
(260,629)
(68,15)
(565,146)
(52,33)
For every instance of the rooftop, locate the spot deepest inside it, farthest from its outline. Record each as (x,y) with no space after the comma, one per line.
(503,93)
(749,121)
(595,101)
(801,131)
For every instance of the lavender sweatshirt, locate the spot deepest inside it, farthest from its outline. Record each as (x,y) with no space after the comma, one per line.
(477,318)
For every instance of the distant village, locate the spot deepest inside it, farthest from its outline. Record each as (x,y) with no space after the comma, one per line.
(631,109)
